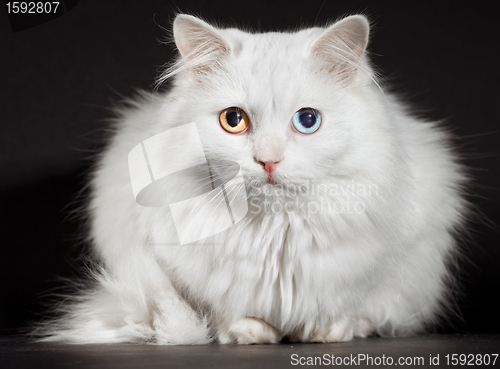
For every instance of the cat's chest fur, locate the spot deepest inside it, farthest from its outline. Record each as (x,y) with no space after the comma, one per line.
(276,268)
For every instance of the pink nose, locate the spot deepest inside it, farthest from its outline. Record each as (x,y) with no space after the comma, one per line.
(269,166)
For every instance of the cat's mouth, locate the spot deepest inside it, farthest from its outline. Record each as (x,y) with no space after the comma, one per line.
(270,180)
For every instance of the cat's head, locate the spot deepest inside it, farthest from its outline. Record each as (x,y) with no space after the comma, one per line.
(288,107)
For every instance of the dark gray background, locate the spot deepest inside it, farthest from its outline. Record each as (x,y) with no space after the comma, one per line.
(57,81)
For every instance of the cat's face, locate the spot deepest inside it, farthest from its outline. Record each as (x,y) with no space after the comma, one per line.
(305,102)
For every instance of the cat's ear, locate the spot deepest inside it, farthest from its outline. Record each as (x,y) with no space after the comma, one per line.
(342,45)
(198,42)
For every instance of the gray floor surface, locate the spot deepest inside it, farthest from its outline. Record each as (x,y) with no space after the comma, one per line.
(424,351)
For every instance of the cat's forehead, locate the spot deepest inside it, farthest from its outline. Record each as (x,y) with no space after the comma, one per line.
(273,57)
(272,69)
(259,46)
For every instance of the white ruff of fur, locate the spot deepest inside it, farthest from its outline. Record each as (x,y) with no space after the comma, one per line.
(314,276)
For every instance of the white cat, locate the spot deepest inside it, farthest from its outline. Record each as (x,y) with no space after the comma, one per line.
(352,202)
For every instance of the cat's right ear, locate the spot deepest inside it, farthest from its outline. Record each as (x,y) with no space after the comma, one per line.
(341,46)
(199,43)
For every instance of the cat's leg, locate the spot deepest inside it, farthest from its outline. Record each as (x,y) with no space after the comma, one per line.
(338,331)
(342,330)
(248,331)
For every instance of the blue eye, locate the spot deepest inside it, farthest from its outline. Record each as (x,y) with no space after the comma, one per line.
(306,120)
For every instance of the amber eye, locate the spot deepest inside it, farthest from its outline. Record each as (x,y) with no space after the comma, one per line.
(234,120)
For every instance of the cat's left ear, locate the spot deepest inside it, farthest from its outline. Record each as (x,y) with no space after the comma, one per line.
(199,42)
(342,45)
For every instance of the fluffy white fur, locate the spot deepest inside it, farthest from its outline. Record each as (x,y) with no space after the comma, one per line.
(313,277)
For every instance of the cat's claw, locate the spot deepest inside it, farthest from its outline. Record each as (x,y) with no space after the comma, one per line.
(249,331)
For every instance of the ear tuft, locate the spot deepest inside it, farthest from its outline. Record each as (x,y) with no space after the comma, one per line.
(342,45)
(196,39)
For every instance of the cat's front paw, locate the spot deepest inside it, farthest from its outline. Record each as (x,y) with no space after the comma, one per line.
(250,331)
(339,331)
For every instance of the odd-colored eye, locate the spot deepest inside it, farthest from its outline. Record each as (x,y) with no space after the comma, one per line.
(306,120)
(234,120)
